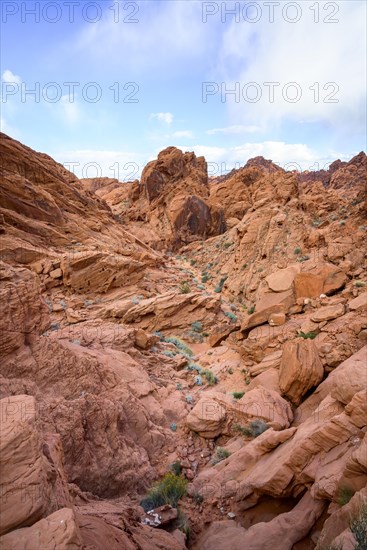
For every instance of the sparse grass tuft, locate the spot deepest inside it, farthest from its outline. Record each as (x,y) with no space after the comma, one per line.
(169,490)
(231,316)
(344,495)
(197,326)
(220,454)
(307,335)
(185,287)
(238,394)
(359,528)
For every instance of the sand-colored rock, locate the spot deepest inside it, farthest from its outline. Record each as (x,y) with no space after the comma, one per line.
(350,377)
(282,280)
(270,304)
(32,484)
(281,532)
(172,310)
(326,280)
(267,405)
(207,418)
(358,303)
(300,369)
(59,530)
(328,313)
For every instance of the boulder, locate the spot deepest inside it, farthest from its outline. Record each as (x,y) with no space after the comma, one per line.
(59,530)
(327,313)
(300,369)
(271,303)
(359,303)
(282,280)
(207,418)
(350,377)
(267,405)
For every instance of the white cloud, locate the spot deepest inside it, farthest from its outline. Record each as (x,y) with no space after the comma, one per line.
(166,36)
(122,165)
(236,129)
(70,111)
(332,55)
(183,134)
(9,129)
(10,78)
(291,156)
(167,118)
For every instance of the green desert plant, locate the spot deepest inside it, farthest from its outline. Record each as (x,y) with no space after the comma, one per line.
(238,394)
(176,468)
(258,427)
(344,495)
(209,376)
(220,454)
(231,316)
(180,345)
(359,528)
(243,430)
(197,326)
(308,335)
(219,286)
(297,250)
(169,490)
(251,310)
(185,287)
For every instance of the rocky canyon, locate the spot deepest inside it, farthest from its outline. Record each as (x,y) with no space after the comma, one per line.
(183,358)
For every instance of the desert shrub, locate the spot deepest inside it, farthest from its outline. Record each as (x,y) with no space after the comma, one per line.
(243,430)
(344,495)
(180,345)
(135,300)
(176,468)
(169,490)
(260,269)
(303,258)
(183,524)
(359,528)
(54,326)
(219,286)
(209,376)
(194,366)
(220,454)
(307,335)
(188,398)
(197,498)
(205,277)
(196,337)
(198,380)
(231,316)
(359,284)
(297,250)
(251,310)
(197,326)
(173,427)
(238,394)
(179,386)
(258,427)
(168,353)
(185,287)
(227,244)
(192,262)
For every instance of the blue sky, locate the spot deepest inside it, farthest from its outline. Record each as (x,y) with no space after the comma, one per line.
(117,81)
